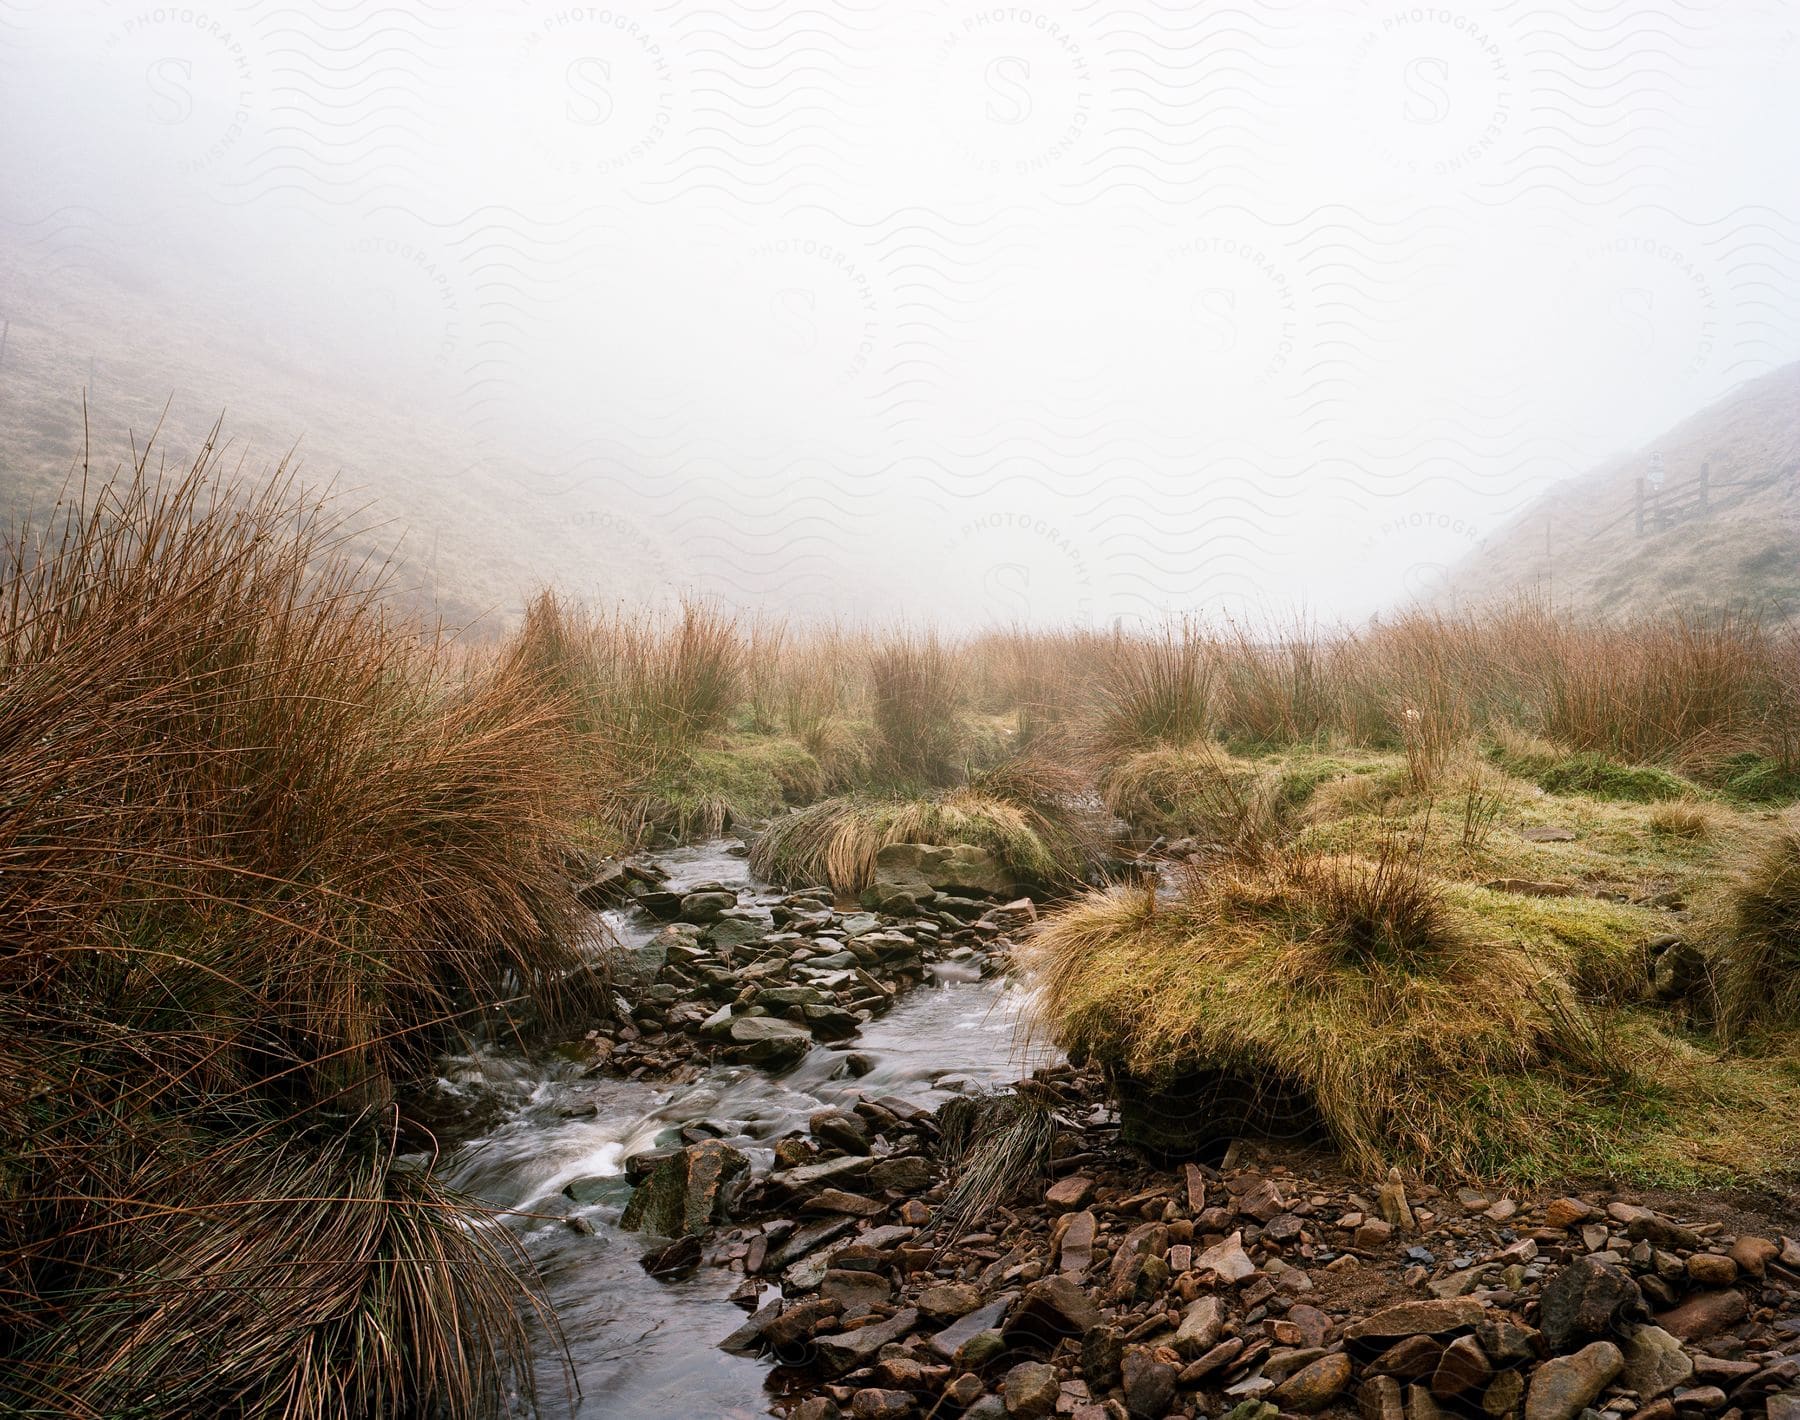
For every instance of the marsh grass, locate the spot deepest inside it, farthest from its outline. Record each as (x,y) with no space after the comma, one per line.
(264,848)
(1361,982)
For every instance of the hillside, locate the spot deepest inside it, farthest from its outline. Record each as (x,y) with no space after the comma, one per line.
(1722,528)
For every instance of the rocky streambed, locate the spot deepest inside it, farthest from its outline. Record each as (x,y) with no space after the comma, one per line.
(813,1171)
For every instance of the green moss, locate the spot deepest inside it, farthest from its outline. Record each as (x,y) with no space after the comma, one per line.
(1598,945)
(1756,779)
(705,790)
(1589,774)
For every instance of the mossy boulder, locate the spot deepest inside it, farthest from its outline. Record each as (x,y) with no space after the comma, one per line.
(686,1194)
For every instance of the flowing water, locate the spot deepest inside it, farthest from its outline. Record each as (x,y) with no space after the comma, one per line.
(644,1349)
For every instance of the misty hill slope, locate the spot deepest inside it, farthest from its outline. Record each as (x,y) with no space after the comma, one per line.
(1727,536)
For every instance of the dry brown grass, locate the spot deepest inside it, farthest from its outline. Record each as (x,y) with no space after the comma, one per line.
(262,848)
(1356,983)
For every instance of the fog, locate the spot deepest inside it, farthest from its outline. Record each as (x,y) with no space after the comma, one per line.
(960,312)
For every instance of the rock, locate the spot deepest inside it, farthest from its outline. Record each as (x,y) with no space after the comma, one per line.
(706,906)
(871,1403)
(1705,1313)
(1138,1270)
(836,1200)
(1227,1261)
(793,1328)
(1031,1390)
(980,1350)
(1564,1386)
(1567,1212)
(1654,1362)
(920,870)
(1223,1354)
(1314,1386)
(1149,1383)
(906,1174)
(1422,1318)
(1102,1353)
(1312,1324)
(859,1293)
(1505,1340)
(1075,1242)
(747,1339)
(606,1188)
(965,1390)
(1753,1255)
(948,1300)
(768,1041)
(1677,971)
(1261,1201)
(1464,1367)
(1390,1200)
(1412,1359)
(1070,1193)
(686,1193)
(1251,1410)
(1379,1398)
(841,1130)
(1420,1405)
(838,1352)
(1709,1269)
(817,1407)
(1785,1407)
(1201,1326)
(1502,1398)
(733,929)
(675,1259)
(1586,1299)
(948,1342)
(1048,1309)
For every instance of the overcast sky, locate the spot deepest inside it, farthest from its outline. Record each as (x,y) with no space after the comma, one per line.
(973,312)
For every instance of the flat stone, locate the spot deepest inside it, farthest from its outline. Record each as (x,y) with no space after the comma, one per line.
(836,1200)
(1564,1386)
(845,1351)
(987,1317)
(1228,1261)
(1069,1193)
(906,1174)
(1201,1326)
(948,1300)
(1421,1318)
(857,1292)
